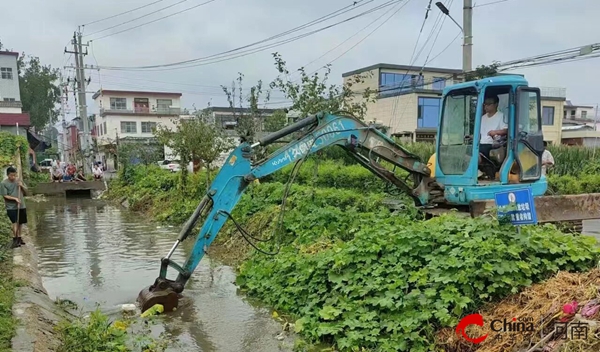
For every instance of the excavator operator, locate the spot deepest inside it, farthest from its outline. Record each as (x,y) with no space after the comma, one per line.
(492,126)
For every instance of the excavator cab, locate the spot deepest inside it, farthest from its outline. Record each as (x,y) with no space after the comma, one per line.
(515,159)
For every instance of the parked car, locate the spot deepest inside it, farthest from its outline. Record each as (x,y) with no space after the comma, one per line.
(171,165)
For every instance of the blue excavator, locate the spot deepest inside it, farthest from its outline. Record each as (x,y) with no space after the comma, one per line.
(460,175)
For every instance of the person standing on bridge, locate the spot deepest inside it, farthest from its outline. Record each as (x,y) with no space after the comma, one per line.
(13,190)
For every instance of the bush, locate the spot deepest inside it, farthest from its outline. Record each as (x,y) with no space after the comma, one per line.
(388,282)
(574,160)
(98,333)
(7,285)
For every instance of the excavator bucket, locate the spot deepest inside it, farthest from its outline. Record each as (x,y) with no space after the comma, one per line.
(152,295)
(555,209)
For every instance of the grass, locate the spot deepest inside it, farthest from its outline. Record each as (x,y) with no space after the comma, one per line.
(7,287)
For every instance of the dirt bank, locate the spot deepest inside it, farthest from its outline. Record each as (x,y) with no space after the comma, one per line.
(36,313)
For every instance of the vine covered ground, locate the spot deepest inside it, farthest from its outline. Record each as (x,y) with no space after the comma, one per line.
(347,271)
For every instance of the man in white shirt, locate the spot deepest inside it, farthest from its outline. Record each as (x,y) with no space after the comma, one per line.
(547,159)
(492,126)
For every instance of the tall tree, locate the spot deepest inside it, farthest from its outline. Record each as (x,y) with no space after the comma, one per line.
(40,95)
(313,94)
(248,119)
(276,121)
(483,71)
(195,139)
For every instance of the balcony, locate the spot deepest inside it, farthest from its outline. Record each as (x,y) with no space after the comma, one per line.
(553,92)
(141,111)
(11,104)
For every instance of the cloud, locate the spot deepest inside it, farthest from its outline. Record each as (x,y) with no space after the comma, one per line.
(504,31)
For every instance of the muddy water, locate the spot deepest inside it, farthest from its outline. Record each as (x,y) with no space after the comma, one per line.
(94,253)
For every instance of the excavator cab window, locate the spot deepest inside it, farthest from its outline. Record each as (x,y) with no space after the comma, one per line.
(528,134)
(458,121)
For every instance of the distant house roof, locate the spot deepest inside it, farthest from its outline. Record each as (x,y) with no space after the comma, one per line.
(243,110)
(569,104)
(11,53)
(134,92)
(383,66)
(22,119)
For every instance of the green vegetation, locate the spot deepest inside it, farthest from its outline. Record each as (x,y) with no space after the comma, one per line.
(7,286)
(348,272)
(98,333)
(388,282)
(9,145)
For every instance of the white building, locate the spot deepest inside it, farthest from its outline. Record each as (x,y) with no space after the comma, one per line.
(131,116)
(11,114)
(578,112)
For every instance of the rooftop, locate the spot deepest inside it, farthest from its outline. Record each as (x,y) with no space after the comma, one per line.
(133,92)
(10,119)
(570,105)
(12,53)
(237,110)
(382,66)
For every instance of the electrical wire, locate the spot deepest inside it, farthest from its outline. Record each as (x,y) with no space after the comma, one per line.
(490,3)
(122,13)
(226,55)
(443,50)
(370,33)
(135,19)
(156,20)
(342,43)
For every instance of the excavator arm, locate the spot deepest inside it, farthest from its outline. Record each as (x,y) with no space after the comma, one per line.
(366,144)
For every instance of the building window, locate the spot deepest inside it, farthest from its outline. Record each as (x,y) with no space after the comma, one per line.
(398,82)
(584,114)
(118,104)
(6,72)
(428,112)
(547,115)
(163,106)
(141,105)
(439,83)
(104,128)
(148,126)
(128,127)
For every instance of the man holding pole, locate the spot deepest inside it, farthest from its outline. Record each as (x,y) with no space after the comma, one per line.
(13,190)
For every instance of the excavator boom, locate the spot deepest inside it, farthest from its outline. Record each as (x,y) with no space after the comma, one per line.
(369,147)
(366,144)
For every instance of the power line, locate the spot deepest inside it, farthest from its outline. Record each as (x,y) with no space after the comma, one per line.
(352,36)
(226,55)
(156,20)
(443,50)
(373,31)
(491,3)
(308,24)
(122,13)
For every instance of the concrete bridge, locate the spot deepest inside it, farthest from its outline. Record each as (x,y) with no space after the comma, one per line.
(69,188)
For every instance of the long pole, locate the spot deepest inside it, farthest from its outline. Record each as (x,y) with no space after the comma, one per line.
(468,35)
(64,122)
(85,143)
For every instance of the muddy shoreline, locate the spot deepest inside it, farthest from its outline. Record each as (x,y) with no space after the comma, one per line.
(36,313)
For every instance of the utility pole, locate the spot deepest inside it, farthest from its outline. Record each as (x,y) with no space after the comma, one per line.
(467,35)
(80,80)
(63,100)
(466,29)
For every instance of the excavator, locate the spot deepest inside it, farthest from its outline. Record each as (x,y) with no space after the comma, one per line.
(465,179)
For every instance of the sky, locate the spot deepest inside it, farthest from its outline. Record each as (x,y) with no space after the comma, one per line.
(502,30)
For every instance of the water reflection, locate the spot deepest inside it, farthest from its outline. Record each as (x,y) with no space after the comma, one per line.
(91,252)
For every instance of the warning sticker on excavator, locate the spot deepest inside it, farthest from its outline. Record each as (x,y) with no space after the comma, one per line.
(232,160)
